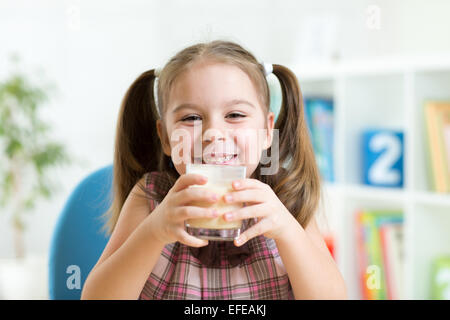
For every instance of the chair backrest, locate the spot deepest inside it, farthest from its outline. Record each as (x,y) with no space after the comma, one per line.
(78,240)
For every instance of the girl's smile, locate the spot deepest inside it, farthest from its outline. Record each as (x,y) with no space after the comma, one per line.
(219,158)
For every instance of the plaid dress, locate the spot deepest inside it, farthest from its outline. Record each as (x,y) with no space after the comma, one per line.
(178,274)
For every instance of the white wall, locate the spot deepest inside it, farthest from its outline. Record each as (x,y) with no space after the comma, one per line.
(93,50)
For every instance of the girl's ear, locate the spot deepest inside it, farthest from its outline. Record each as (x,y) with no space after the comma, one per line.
(269,135)
(163,138)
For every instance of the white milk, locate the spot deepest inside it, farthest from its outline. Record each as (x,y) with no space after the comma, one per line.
(221,207)
(219,181)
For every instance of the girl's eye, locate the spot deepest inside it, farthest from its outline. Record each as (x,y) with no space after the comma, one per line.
(196,118)
(191,118)
(236,115)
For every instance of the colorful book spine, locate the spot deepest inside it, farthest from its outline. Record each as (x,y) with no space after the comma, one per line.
(437,115)
(391,236)
(373,258)
(445,142)
(319,116)
(363,259)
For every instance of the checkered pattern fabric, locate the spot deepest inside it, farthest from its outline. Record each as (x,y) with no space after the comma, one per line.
(179,275)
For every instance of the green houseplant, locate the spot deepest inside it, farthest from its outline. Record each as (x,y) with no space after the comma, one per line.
(27,152)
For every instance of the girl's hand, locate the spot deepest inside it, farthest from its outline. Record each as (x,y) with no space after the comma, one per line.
(274,219)
(167,219)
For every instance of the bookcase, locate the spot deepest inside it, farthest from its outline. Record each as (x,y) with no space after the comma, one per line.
(383,93)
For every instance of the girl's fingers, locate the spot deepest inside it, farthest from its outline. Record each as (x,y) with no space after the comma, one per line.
(194,212)
(247,195)
(187,180)
(248,212)
(189,195)
(191,241)
(248,184)
(257,229)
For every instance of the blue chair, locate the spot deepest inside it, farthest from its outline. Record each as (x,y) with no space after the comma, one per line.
(78,239)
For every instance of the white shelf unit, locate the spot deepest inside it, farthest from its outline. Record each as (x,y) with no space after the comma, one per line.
(384,94)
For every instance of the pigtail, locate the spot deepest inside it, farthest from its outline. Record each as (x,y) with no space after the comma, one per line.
(137,146)
(298,186)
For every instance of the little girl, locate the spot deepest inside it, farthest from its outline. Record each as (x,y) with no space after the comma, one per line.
(281,253)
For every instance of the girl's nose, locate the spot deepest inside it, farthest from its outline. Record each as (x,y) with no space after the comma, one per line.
(213,136)
(213,131)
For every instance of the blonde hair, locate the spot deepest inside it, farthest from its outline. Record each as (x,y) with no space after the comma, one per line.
(138,149)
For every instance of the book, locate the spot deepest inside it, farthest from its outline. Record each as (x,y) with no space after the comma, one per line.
(391,236)
(371,253)
(330,243)
(440,274)
(437,122)
(320,119)
(445,125)
(361,236)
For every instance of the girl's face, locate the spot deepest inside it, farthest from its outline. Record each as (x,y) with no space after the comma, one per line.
(214,114)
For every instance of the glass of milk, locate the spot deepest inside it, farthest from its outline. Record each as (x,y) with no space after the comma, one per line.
(219,181)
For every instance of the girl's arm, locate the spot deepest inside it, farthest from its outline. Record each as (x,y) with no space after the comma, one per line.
(129,256)
(311,269)
(138,238)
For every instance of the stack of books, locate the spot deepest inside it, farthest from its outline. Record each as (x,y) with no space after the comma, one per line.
(380,254)
(437,120)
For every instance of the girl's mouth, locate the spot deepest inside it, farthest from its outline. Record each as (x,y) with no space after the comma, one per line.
(219,158)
